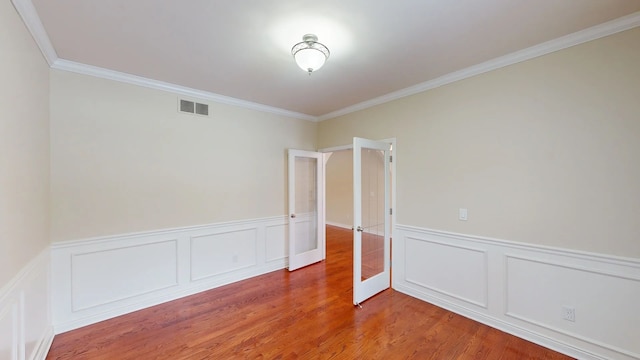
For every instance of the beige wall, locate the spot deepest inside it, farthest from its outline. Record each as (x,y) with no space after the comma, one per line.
(124,160)
(545,151)
(339,188)
(306,178)
(24,146)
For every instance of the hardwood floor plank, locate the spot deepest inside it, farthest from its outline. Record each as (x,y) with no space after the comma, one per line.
(306,314)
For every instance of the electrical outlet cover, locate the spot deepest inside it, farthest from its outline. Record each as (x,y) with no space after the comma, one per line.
(569,313)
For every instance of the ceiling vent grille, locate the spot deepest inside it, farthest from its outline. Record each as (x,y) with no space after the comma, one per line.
(192,107)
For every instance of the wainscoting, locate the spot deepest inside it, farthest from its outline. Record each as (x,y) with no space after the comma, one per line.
(519,288)
(25,319)
(525,289)
(97,279)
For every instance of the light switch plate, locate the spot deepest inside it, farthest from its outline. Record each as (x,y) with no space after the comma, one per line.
(462,214)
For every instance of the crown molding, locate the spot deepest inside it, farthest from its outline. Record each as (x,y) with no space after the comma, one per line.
(609,28)
(30,17)
(32,21)
(79,68)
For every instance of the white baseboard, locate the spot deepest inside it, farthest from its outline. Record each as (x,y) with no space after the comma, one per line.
(522,288)
(25,320)
(42,348)
(379,231)
(101,278)
(518,288)
(344,226)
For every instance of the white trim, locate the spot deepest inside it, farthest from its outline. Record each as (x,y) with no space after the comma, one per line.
(505,326)
(574,267)
(298,259)
(609,28)
(79,68)
(192,243)
(145,234)
(344,226)
(22,276)
(97,316)
(74,255)
(31,20)
(394,152)
(485,272)
(283,256)
(18,301)
(336,148)
(510,306)
(562,331)
(42,349)
(612,259)
(259,251)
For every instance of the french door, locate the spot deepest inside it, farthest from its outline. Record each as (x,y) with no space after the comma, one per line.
(371,214)
(306,197)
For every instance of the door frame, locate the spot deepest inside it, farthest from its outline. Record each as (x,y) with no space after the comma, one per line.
(364,289)
(297,261)
(327,155)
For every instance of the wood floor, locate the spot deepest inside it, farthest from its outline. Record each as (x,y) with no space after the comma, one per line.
(306,314)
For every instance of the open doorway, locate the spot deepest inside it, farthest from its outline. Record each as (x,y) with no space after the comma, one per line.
(368,210)
(339,188)
(372,191)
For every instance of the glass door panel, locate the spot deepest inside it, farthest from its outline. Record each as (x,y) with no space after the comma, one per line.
(373,217)
(372,268)
(306,193)
(305,200)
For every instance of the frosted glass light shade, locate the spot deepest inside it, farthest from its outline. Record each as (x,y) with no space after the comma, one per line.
(310,59)
(309,54)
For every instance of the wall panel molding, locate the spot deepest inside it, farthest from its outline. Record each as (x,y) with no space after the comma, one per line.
(460,272)
(528,286)
(222,252)
(276,242)
(570,285)
(31,19)
(141,269)
(100,278)
(26,331)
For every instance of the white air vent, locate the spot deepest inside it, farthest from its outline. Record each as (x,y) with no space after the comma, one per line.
(192,107)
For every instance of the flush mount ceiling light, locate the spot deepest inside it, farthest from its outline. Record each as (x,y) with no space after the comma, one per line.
(310,55)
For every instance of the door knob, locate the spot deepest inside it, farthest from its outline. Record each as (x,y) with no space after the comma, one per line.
(293,216)
(360,228)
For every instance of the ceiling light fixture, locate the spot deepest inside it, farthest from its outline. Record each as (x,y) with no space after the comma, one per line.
(310,55)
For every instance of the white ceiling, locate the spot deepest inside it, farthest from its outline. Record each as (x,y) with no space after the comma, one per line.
(241,49)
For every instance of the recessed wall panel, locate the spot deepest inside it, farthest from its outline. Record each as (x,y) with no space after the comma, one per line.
(276,242)
(453,270)
(7,333)
(101,277)
(606,304)
(36,317)
(223,252)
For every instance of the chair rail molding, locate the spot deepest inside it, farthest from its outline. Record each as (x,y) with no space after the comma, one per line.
(101,278)
(523,288)
(26,331)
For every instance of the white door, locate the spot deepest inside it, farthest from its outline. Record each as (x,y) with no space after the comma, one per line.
(306,196)
(371,204)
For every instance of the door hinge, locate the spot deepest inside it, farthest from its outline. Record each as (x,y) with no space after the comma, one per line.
(390,211)
(390,158)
